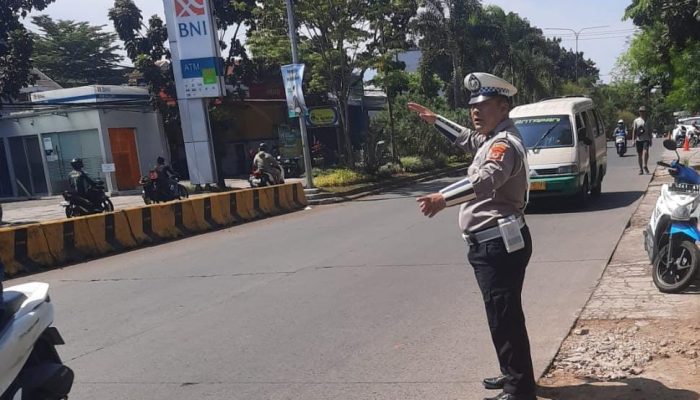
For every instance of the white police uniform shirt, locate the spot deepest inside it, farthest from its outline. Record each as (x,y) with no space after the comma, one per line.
(498,175)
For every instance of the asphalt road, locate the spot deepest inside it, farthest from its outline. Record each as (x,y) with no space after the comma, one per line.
(360,300)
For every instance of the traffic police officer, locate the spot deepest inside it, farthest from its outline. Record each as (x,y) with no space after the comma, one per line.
(492,198)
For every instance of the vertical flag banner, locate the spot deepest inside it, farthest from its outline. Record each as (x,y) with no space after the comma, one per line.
(292,75)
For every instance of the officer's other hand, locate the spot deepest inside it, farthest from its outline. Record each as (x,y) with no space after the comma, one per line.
(423,112)
(431,204)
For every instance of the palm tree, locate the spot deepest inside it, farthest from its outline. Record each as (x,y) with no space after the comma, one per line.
(443,27)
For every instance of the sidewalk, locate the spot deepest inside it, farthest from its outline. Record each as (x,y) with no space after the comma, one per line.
(632,341)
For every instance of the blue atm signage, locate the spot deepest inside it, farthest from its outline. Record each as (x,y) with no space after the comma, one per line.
(191,30)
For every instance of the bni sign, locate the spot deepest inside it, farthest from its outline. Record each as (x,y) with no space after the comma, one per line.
(192,33)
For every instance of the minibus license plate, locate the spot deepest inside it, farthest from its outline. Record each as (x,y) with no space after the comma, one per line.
(538,186)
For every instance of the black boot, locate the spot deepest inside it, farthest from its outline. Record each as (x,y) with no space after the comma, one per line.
(496,383)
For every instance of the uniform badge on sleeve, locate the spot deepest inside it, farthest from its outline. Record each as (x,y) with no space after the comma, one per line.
(498,151)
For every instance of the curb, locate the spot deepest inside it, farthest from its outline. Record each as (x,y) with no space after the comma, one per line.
(332,198)
(550,363)
(33,248)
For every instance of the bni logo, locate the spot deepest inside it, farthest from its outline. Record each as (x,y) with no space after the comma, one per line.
(189,8)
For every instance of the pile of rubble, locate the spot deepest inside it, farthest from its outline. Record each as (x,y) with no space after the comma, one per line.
(618,351)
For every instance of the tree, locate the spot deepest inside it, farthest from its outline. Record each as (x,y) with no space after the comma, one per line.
(680,18)
(665,52)
(506,45)
(76,53)
(390,22)
(446,28)
(16,45)
(335,38)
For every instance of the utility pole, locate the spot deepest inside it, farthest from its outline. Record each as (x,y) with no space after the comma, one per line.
(576,34)
(302,122)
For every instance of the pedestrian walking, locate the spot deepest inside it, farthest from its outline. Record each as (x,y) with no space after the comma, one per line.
(641,135)
(492,198)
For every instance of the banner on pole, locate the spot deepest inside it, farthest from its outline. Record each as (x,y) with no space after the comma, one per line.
(292,76)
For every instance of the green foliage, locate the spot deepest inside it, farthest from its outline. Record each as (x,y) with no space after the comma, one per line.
(340,39)
(16,45)
(681,18)
(341,177)
(418,164)
(76,53)
(412,136)
(453,31)
(389,169)
(666,52)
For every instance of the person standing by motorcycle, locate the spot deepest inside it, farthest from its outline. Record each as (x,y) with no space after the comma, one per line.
(641,134)
(81,183)
(266,163)
(165,176)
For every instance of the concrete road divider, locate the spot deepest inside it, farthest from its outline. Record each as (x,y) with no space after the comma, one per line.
(197,214)
(30,248)
(24,249)
(139,220)
(245,202)
(298,196)
(266,201)
(221,209)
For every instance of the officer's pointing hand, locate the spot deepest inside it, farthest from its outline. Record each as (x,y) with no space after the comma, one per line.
(431,204)
(423,112)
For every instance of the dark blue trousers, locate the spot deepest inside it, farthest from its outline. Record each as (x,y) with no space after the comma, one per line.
(500,276)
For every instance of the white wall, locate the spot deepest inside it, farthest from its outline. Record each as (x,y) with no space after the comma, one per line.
(150,138)
(48,123)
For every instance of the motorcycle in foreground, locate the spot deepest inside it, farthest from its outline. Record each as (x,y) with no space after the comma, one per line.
(151,193)
(30,367)
(671,236)
(77,205)
(621,145)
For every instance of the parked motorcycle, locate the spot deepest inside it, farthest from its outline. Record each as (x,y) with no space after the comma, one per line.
(694,139)
(30,367)
(151,194)
(290,167)
(77,205)
(670,237)
(260,178)
(621,145)
(680,140)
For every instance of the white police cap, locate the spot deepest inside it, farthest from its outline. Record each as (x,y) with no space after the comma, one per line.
(483,86)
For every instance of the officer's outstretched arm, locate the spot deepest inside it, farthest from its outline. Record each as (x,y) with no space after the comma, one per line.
(451,130)
(458,192)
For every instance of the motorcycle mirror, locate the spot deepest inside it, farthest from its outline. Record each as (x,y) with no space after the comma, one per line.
(670,144)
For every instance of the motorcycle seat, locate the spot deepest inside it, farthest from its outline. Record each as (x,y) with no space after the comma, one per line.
(11,302)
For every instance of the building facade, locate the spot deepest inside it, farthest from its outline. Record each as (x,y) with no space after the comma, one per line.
(112,128)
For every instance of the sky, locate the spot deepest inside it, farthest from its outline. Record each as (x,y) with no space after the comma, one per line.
(602,45)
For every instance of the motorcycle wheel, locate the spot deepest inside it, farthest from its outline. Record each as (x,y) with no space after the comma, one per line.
(677,276)
(107,205)
(72,211)
(182,192)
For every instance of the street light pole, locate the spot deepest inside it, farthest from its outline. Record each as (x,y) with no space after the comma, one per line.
(302,122)
(576,34)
